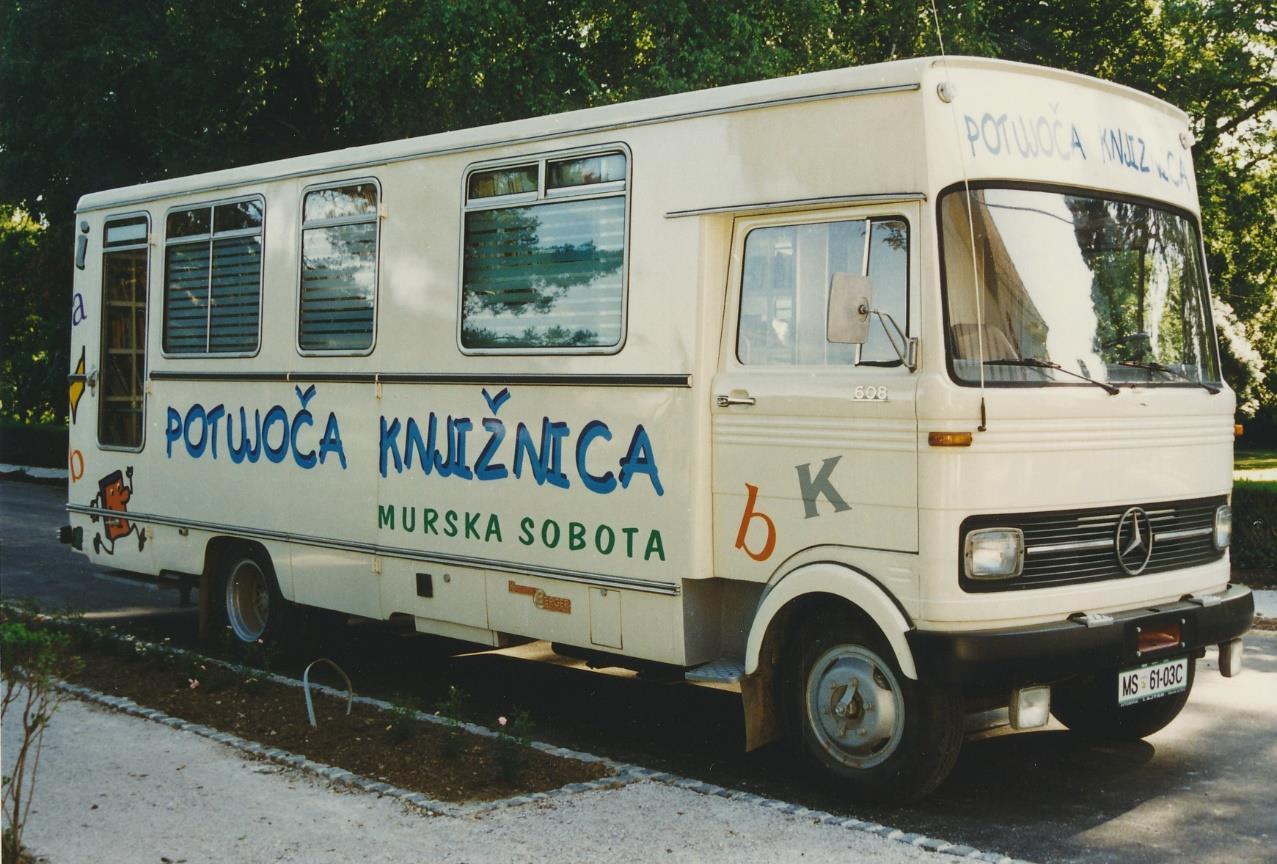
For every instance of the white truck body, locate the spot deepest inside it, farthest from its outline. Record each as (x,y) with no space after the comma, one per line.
(662,489)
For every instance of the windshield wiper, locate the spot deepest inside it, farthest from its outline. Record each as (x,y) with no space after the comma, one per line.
(1035,363)
(1166,370)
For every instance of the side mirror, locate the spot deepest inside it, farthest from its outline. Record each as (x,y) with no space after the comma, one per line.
(849,303)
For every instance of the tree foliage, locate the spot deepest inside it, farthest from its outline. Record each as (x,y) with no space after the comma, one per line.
(103,94)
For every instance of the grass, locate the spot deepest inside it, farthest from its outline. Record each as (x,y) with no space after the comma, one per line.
(1267,487)
(1254,460)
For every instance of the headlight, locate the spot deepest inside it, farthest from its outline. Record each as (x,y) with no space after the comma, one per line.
(994,553)
(1223,526)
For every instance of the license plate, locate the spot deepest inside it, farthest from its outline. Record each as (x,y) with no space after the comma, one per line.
(1152,682)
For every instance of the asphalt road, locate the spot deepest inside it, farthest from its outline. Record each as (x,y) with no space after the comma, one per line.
(1200,790)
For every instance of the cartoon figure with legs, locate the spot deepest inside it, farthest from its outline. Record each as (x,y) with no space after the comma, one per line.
(114,494)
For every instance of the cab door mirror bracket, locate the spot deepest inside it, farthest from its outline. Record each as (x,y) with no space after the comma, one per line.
(850,316)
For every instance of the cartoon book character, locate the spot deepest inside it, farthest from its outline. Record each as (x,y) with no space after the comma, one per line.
(114,494)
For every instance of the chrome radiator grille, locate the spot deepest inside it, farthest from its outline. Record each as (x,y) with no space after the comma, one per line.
(1072,546)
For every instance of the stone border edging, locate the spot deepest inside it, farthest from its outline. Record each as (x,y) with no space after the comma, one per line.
(624,773)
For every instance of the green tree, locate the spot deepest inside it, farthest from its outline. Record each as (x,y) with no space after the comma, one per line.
(97,95)
(111,93)
(34,323)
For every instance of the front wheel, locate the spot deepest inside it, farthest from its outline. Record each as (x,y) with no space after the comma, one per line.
(878,735)
(1088,707)
(255,609)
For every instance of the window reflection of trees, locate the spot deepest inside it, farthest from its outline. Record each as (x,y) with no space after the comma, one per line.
(338,284)
(533,265)
(1145,286)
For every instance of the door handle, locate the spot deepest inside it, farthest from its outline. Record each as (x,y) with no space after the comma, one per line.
(723,399)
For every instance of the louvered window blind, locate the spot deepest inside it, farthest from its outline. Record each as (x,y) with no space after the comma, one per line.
(213,278)
(339,268)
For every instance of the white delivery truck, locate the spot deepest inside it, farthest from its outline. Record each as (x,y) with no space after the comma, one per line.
(883,394)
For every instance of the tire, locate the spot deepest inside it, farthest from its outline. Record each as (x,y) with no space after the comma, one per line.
(1088,707)
(255,609)
(873,734)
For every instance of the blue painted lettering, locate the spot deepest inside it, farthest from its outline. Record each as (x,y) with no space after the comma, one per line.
(195,448)
(484,467)
(606,482)
(278,416)
(640,459)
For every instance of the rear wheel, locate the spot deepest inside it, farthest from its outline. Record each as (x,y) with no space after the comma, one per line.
(873,732)
(255,609)
(1088,707)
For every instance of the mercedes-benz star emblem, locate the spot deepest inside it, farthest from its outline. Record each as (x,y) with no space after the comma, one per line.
(1133,541)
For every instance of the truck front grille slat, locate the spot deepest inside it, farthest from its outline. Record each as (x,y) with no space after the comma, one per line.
(1075,546)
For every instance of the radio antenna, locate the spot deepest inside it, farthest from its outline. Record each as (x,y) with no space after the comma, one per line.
(947,95)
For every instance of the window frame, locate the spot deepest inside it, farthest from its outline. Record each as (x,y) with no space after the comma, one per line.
(376,258)
(612,189)
(1194,220)
(789,220)
(210,238)
(144,244)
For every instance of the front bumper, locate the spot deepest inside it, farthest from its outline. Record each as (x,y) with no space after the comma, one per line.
(1043,653)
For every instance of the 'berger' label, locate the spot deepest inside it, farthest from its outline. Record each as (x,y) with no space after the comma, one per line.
(540,599)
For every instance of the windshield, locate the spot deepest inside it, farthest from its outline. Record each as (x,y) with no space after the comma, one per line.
(1112,290)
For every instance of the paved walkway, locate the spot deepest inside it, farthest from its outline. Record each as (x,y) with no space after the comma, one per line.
(116,788)
(1266,603)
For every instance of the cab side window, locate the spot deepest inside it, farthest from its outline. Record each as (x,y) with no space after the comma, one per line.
(785,290)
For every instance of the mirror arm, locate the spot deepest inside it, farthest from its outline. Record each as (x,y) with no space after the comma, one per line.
(907,350)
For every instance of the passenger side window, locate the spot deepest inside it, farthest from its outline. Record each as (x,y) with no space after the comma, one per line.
(544,255)
(785,290)
(213,278)
(339,269)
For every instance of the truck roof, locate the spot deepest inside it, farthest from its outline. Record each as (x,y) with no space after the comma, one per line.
(890,77)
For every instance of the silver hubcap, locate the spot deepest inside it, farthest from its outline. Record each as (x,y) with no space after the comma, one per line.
(854,706)
(248,601)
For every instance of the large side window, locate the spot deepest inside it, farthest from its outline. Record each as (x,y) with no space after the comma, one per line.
(123,362)
(213,278)
(544,257)
(785,290)
(339,269)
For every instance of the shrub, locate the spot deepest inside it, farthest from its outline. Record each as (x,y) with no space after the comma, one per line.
(41,446)
(1255,526)
(403,725)
(31,662)
(451,708)
(513,735)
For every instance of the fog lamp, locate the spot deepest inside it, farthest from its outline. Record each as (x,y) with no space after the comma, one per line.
(1030,707)
(994,553)
(1223,526)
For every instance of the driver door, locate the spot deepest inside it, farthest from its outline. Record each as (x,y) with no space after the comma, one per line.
(815,443)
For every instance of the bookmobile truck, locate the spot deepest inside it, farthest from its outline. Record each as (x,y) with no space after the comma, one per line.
(886,395)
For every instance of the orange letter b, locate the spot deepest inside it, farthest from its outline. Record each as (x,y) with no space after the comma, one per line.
(749,514)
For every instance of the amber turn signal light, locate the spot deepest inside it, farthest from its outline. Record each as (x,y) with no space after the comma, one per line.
(949,439)
(1238,429)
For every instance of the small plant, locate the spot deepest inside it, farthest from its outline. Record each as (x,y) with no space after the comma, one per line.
(451,708)
(31,662)
(513,735)
(403,725)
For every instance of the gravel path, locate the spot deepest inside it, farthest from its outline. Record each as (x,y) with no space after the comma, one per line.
(117,788)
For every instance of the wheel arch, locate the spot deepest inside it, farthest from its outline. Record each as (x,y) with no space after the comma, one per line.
(789,595)
(221,550)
